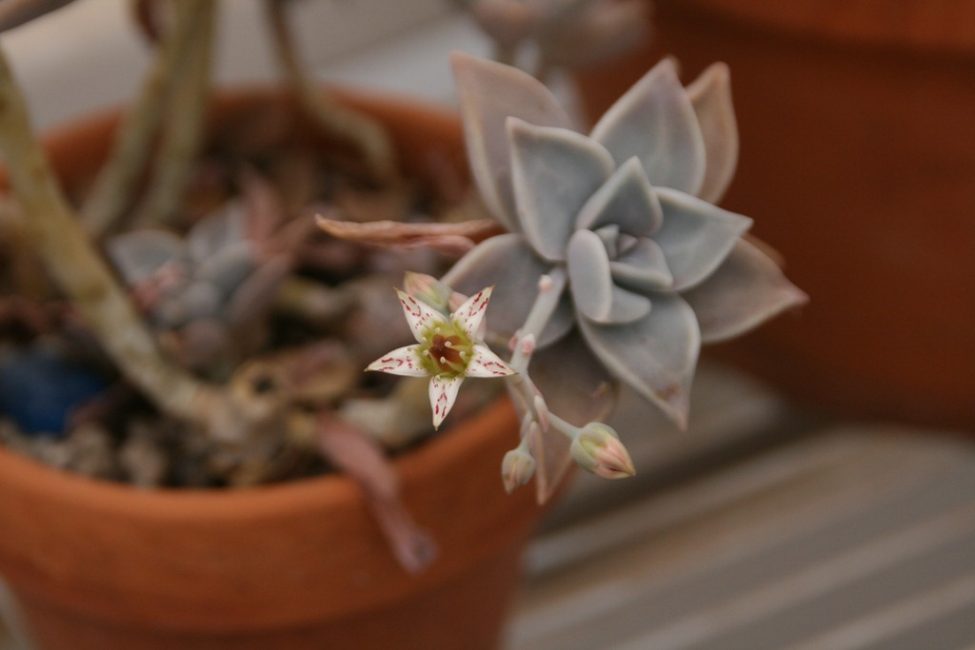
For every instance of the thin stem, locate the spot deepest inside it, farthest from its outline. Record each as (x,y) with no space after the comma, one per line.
(183,133)
(115,185)
(57,237)
(569,429)
(367,135)
(520,385)
(550,291)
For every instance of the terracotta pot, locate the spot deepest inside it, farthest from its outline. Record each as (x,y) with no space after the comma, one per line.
(858,164)
(99,566)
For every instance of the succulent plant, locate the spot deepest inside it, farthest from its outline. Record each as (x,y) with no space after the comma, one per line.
(565,33)
(624,219)
(202,287)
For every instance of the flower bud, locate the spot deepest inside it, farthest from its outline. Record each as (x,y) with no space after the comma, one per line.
(428,289)
(517,468)
(598,449)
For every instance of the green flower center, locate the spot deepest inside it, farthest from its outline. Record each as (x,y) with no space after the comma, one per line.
(445,350)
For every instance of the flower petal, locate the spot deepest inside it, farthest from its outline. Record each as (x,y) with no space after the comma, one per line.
(696,236)
(419,315)
(508,263)
(710,96)
(655,356)
(626,200)
(746,290)
(642,267)
(470,314)
(553,172)
(485,363)
(489,93)
(593,291)
(578,388)
(443,393)
(655,122)
(404,361)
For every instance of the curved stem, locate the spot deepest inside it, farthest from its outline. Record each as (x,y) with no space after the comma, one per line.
(183,134)
(338,121)
(114,187)
(520,385)
(550,291)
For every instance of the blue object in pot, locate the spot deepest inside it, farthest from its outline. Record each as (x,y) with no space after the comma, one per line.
(40,387)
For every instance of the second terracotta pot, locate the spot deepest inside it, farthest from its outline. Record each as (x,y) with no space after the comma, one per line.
(857,124)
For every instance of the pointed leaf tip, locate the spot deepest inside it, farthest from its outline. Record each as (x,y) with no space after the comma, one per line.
(745,291)
(656,355)
(710,96)
(489,93)
(655,121)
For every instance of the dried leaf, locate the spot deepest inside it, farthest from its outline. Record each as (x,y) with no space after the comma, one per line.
(362,459)
(448,238)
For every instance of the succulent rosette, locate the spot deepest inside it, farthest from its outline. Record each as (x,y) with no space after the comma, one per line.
(627,213)
(566,33)
(204,287)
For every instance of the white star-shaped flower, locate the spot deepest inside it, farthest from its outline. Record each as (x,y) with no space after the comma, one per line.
(448,349)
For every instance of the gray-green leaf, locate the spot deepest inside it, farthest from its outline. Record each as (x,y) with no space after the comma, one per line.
(655,122)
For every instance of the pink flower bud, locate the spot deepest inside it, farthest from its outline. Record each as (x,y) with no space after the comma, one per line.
(517,468)
(598,449)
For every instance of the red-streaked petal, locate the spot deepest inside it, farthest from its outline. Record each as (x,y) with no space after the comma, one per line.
(485,363)
(443,393)
(419,315)
(403,361)
(470,314)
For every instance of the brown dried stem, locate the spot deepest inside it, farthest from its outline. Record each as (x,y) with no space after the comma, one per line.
(56,235)
(362,459)
(116,182)
(367,135)
(186,113)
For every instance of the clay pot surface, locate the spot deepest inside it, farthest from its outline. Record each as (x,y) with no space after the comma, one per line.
(858,164)
(99,566)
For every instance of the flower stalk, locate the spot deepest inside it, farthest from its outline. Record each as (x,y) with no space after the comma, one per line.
(186,116)
(116,182)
